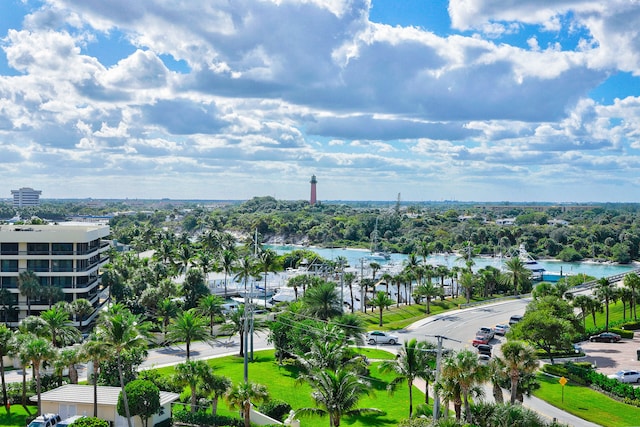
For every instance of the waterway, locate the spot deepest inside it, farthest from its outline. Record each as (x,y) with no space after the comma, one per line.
(359,257)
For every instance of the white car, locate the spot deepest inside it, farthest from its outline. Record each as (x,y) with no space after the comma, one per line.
(626,376)
(377,337)
(501,329)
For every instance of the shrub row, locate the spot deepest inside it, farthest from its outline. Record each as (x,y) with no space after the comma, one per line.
(201,418)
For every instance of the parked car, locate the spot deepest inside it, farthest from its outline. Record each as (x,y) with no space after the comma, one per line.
(45,420)
(68,421)
(515,319)
(577,348)
(377,337)
(488,332)
(484,349)
(605,337)
(484,359)
(501,329)
(626,376)
(480,339)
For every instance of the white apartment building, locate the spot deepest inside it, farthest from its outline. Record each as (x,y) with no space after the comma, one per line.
(67,256)
(25,197)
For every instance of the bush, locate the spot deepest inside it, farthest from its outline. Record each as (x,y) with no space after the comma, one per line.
(623,333)
(201,418)
(90,422)
(631,326)
(276,409)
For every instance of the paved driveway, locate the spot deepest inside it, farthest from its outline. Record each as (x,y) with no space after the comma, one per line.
(611,357)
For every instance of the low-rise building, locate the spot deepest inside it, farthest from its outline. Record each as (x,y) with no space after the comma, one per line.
(75,399)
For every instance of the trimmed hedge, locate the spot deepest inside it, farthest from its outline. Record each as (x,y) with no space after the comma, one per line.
(623,333)
(201,418)
(631,326)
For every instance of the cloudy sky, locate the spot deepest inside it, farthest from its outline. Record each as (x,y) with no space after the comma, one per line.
(470,100)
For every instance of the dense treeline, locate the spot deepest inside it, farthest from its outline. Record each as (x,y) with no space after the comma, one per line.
(607,232)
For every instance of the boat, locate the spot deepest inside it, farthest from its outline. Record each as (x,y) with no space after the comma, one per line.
(376,254)
(537,271)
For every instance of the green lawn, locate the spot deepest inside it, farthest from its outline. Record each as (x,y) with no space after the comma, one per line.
(18,417)
(587,403)
(396,318)
(282,385)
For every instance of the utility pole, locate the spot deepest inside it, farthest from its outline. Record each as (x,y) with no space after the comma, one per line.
(436,398)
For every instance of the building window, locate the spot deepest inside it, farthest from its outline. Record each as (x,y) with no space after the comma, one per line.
(9,265)
(62,265)
(82,248)
(62,282)
(62,248)
(9,283)
(38,265)
(37,248)
(9,249)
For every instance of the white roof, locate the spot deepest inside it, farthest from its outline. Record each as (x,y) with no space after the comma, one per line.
(75,393)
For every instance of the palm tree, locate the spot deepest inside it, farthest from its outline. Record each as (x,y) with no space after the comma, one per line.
(322,301)
(121,329)
(227,263)
(68,358)
(605,293)
(241,396)
(189,326)
(381,301)
(519,359)
(467,282)
(517,273)
(95,351)
(191,373)
(410,363)
(465,368)
(428,291)
(29,285)
(348,279)
(81,307)
(353,327)
(59,328)
(268,264)
(210,306)
(337,393)
(632,281)
(7,345)
(38,350)
(166,310)
(583,303)
(215,386)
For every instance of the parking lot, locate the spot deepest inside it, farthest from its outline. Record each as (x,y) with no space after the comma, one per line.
(610,358)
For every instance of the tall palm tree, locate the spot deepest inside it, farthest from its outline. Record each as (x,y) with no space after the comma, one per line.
(241,395)
(337,393)
(268,264)
(227,263)
(210,306)
(519,359)
(381,301)
(353,327)
(81,307)
(7,345)
(166,310)
(189,326)
(59,328)
(583,303)
(96,351)
(348,279)
(411,362)
(29,285)
(322,301)
(465,368)
(38,350)
(605,293)
(121,330)
(191,373)
(68,358)
(517,273)
(632,281)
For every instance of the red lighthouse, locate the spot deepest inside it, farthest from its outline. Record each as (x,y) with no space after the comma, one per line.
(313,182)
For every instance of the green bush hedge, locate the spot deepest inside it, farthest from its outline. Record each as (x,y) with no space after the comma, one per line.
(623,333)
(631,326)
(201,418)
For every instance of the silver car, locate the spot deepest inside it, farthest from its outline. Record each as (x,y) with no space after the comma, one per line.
(378,337)
(626,376)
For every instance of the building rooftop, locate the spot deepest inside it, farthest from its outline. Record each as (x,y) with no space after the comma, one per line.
(83,394)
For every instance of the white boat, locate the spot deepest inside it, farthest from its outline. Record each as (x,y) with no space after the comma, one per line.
(376,254)
(530,263)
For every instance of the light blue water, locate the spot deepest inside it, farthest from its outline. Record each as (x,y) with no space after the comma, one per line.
(355,257)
